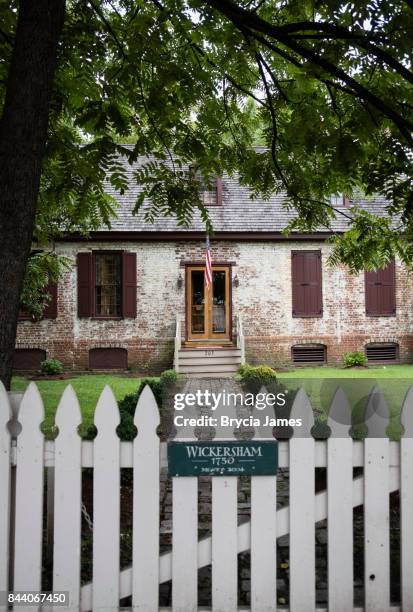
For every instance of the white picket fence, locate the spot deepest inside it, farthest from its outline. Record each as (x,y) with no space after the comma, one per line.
(388,466)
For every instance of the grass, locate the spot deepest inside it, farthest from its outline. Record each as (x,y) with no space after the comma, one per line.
(392,371)
(88,388)
(319,383)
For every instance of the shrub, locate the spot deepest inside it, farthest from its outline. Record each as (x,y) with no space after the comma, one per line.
(255,377)
(88,432)
(51,366)
(156,387)
(355,358)
(126,429)
(168,378)
(128,403)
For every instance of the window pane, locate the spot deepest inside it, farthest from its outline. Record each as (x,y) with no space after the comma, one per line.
(108,285)
(198,302)
(209,197)
(337,199)
(207,190)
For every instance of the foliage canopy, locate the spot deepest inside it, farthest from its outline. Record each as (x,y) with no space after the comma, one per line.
(326,85)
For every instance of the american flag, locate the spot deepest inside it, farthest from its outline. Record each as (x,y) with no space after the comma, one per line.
(208,264)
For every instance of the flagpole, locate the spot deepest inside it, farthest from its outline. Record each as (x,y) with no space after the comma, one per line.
(208,264)
(208,284)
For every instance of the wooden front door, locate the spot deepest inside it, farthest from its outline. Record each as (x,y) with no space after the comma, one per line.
(208,310)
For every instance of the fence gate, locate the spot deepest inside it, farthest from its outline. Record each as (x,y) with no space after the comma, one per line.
(383,467)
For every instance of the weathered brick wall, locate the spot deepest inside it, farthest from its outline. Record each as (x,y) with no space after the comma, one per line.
(263,297)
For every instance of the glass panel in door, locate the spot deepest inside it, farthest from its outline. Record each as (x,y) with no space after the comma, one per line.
(197,302)
(219,302)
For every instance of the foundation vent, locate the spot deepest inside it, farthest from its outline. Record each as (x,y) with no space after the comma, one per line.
(309,353)
(385,352)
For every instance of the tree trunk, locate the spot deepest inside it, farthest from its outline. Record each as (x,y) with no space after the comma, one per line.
(23,133)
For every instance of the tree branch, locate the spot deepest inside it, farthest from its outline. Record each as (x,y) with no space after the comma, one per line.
(274,153)
(273,78)
(248,21)
(109,28)
(242,19)
(331,30)
(152,122)
(273,121)
(225,74)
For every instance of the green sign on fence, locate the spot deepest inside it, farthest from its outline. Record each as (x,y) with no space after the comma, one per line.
(243,458)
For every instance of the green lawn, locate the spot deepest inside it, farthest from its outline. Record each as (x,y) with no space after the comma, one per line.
(88,388)
(320,384)
(392,371)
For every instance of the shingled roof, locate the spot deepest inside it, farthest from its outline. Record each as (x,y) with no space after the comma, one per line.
(237,214)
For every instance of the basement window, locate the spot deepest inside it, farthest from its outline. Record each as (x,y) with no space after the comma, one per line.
(309,354)
(108,359)
(28,359)
(382,352)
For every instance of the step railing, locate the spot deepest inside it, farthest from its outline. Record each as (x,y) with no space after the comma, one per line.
(240,338)
(178,341)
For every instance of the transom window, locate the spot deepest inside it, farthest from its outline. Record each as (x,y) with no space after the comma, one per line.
(108,287)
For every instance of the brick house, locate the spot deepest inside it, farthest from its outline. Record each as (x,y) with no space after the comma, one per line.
(118,305)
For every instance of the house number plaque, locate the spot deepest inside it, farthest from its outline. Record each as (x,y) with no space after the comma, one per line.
(243,458)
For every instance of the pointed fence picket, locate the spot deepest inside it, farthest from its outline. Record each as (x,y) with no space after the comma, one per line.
(67,499)
(388,466)
(376,505)
(340,505)
(145,593)
(5,480)
(302,510)
(29,494)
(106,504)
